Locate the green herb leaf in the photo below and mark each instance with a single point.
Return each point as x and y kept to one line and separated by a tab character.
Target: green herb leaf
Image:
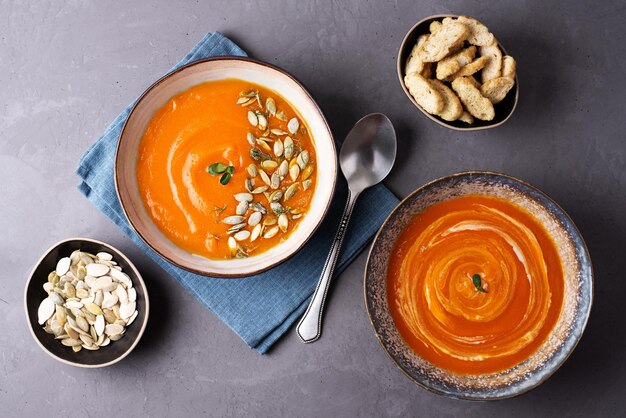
230	169
478	283
217	168
225	178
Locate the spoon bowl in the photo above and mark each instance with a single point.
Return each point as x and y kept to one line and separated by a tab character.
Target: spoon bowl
367	156
369	151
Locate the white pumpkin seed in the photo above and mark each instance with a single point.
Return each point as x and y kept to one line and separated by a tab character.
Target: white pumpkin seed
254	121
242	208
63	265
270	106
93	308
45	311
281	115
265	177
269	164
291	191
294	171
283	169
306	173
256	231
56	298
293	125
242	235
127	309
120	276
232	244
132	294
251	138
278	148
283	222
99	325
306	184
121	294
109	299
113	329
97	269
232	220
288	148
101	283
303	159
262	122
70	342
255	218
243	197
264	146
132	318
271	232
74	304
104	256
275	181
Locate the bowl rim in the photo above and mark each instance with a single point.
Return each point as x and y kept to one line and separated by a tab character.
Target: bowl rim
287	254
139	279
400	73
463	396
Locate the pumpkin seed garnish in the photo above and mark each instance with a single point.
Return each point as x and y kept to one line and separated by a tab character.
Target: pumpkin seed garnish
293	125
252	118
281	115
270	106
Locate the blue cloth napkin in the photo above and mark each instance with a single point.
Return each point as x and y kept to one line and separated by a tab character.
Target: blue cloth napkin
262	307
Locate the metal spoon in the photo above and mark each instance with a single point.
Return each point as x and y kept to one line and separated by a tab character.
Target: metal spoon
366	157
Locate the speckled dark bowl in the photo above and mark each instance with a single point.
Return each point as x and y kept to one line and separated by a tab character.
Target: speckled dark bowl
34	294
578	293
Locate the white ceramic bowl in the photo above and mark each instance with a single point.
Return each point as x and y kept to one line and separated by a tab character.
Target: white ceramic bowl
211	70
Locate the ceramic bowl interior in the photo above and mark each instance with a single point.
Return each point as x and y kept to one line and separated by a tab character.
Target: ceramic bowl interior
211	70
504	109
578	290
34	294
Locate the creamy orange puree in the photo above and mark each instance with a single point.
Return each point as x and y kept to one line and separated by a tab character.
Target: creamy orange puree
193	130
438	309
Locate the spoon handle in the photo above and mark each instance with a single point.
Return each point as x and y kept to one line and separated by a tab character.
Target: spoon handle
310	326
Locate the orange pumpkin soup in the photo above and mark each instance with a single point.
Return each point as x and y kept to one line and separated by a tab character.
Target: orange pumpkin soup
475	284
225	169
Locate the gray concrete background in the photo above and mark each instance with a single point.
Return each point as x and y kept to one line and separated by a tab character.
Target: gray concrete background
68	67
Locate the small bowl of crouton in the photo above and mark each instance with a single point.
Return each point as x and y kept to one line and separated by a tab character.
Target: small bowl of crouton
456	72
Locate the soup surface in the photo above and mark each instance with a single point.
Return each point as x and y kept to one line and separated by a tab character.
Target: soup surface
475	284
226	169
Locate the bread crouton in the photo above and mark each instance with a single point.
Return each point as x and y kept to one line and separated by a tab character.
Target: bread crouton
466	117
450	65
424	93
452	107
469	69
479	34
509	66
496	89
447	39
413	63
493	69
476	104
